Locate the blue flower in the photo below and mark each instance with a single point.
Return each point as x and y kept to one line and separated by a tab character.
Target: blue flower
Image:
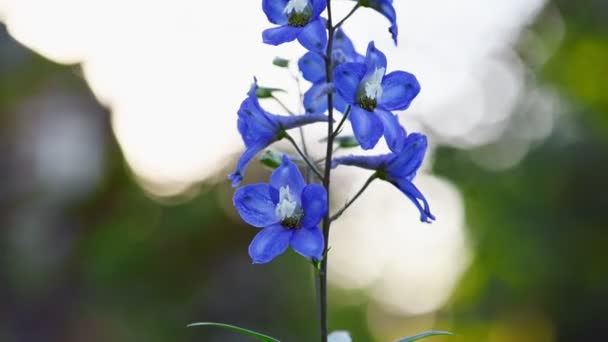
312	66
258	129
399	169
287	210
373	94
385	7
298	19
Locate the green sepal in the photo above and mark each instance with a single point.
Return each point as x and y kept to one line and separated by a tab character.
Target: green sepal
347	141
425	335
272	159
281	62
264	92
242	331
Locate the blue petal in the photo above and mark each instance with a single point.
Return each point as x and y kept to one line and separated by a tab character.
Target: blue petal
344	46
367	127
314	204
237	176
399	88
393	132
312	66
339	103
347	78
288	174
374	58
293	121
386	9
365	162
410	190
271	242
255	124
256	205
308	242
275	11
281	34
315	99
405	163
313	36
318	6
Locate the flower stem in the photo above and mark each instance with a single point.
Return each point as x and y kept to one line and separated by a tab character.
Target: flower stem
304	157
352	11
327	177
352	200
280	103
344	117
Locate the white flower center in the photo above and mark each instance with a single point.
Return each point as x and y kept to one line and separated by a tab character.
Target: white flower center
373	85
287	204
295	5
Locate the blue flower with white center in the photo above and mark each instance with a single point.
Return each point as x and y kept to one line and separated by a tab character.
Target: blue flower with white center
373	95
385	7
288	211
298	19
259	128
399	169
312	66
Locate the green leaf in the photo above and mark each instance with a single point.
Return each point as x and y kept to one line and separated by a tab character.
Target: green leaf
281	62
425	335
271	159
247	332
264	92
347	142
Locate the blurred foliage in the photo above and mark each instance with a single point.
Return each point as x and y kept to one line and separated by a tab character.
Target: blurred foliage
126	268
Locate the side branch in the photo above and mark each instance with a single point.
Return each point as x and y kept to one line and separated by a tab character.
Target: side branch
304	157
342	121
352	11
352	200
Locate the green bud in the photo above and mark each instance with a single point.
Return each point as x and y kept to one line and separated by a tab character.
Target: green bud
271	159
347	141
264	93
281	62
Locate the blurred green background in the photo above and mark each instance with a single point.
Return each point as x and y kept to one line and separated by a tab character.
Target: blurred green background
112	264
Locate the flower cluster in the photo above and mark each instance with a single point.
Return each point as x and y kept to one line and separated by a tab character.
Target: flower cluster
289	209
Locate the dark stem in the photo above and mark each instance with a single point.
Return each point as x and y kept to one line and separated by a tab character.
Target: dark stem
326	179
352	200
304	157
341	123
352	11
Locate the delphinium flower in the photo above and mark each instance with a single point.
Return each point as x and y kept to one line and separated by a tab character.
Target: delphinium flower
385	7
288	211
298	19
399	169
312	66
259	128
373	95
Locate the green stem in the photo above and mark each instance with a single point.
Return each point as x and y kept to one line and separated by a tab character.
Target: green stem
352	200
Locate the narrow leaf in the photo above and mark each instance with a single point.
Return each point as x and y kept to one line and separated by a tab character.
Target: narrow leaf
425	335
264	92
281	62
247	332
271	159
347	141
